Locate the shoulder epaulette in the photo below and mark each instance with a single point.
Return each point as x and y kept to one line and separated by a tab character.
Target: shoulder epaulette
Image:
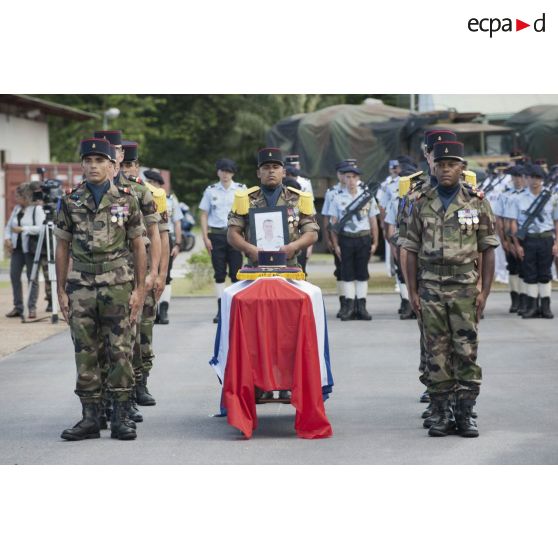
305	201
136	179
73	194
159	197
470	178
125	190
473	191
241	203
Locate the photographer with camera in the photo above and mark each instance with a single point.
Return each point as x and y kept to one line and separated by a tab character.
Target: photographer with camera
20	235
45	195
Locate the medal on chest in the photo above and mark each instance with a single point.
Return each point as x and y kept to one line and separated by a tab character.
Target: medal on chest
468	220
119	214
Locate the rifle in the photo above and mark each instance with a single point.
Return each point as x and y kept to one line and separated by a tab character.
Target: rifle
493	183
533	212
370	190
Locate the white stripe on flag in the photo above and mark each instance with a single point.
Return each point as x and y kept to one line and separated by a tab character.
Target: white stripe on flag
310	290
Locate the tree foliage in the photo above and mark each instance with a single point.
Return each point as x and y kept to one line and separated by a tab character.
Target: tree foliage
188	133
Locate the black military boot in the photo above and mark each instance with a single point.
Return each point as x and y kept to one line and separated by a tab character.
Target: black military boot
143	397
522	304
361	312
406	311
531	309
545	308
119	427
218	315
515	302
87	427
430	415
285	394
132	409
445	422
466	425
341	304
348	313
164	313
427	412
103	419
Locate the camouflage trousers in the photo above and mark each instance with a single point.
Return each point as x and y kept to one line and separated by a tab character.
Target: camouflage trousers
450	333
100	329
142	338
422	362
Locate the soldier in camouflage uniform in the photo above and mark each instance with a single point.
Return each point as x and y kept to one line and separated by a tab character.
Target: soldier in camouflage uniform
153	247
449	227
303	227
143	344
420	185
100	297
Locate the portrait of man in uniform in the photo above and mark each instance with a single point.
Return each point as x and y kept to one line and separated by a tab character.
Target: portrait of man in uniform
269	228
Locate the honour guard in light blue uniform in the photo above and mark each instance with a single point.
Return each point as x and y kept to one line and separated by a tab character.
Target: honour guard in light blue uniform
215	207
355	244
538	247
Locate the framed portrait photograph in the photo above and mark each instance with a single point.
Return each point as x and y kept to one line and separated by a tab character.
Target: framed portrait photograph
269	228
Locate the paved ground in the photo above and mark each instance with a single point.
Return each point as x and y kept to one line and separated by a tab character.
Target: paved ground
374	409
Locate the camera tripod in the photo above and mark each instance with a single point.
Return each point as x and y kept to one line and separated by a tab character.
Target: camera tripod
46	234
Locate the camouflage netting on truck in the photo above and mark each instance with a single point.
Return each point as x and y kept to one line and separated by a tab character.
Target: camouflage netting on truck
538	131
370	133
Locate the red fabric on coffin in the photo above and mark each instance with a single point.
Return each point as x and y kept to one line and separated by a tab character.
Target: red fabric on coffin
273	345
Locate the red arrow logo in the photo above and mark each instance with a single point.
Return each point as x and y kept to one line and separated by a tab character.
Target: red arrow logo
519	25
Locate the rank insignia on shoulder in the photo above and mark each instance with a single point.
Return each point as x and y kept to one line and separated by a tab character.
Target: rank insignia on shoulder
241	203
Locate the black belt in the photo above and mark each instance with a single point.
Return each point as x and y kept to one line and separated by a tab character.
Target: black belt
545	234
100	267
447	269
355	235
213	230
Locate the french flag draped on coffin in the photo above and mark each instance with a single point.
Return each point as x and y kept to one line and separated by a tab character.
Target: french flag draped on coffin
273	335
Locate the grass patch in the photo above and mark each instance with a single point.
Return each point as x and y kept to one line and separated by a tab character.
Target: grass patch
378	284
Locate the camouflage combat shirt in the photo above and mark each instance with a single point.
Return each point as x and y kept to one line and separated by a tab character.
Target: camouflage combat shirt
450	240
99	236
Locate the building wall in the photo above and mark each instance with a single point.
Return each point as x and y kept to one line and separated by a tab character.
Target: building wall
487	104
23	141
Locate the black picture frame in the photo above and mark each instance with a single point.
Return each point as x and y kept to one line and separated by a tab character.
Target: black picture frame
260	212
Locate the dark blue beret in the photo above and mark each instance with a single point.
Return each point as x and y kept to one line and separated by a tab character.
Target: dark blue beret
154	176
226	165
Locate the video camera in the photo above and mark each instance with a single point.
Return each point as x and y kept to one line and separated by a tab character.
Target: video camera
48	191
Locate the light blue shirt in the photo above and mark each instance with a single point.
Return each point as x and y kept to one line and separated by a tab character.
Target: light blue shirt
500	203
217	202
545	221
509	203
359	222
389	188
392	210
329	196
